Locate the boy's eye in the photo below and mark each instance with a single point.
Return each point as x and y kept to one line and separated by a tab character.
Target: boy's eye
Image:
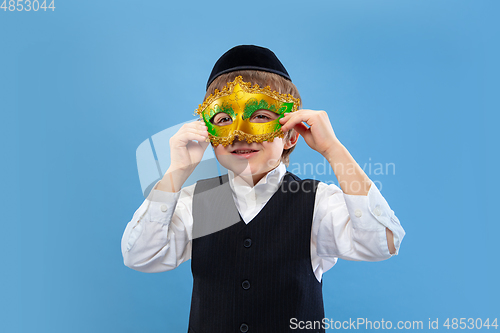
222	119
263	116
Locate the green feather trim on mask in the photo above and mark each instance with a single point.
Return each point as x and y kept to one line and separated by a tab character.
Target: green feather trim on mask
225	107
253	105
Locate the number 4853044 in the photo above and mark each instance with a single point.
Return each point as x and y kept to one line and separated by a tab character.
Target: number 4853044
469	323
26	5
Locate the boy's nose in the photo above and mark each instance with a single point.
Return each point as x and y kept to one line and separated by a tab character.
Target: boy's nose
237	138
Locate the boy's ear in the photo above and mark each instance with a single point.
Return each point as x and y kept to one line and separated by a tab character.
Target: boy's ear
292	140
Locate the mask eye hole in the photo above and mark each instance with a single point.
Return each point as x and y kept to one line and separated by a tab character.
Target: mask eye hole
221	119
263	116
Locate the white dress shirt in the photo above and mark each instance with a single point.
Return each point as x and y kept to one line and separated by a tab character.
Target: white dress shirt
352	227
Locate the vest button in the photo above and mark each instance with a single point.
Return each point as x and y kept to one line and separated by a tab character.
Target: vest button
243	328
246	285
247	242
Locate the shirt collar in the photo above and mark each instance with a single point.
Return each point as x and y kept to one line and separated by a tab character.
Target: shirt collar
269	182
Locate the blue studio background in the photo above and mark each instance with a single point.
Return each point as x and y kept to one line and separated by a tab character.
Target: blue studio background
409	84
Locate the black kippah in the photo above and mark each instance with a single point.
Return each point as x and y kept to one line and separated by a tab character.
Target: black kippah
248	57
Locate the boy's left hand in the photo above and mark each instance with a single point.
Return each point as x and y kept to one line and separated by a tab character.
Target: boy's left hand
319	136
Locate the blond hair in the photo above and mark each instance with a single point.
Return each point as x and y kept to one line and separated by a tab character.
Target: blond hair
274	81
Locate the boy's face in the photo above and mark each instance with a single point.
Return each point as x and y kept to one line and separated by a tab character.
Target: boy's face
244	128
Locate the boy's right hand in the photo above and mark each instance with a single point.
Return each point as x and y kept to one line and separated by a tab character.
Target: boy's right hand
185	153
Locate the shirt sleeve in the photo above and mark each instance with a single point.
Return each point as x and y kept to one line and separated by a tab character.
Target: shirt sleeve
158	238
351	227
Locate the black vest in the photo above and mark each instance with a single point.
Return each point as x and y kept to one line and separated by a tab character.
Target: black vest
254	278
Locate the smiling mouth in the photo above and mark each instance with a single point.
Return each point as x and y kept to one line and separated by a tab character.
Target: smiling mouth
243	151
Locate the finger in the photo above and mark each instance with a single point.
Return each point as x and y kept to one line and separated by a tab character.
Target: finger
194	125
201	124
287	116
299	112
293	120
183	140
202	128
200	131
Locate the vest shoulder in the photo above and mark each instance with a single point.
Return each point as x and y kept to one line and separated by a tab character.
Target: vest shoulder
293	176
293	184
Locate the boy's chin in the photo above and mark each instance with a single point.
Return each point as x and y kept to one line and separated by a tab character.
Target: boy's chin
238	166
241	168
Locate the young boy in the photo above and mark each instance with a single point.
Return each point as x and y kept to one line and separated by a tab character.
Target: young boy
259	238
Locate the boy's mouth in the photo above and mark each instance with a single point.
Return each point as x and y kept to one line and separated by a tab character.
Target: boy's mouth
243	151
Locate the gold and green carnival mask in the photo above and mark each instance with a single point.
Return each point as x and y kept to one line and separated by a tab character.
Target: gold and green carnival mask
239	100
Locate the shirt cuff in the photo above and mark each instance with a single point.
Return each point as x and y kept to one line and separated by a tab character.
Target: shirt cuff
371	212
162	205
